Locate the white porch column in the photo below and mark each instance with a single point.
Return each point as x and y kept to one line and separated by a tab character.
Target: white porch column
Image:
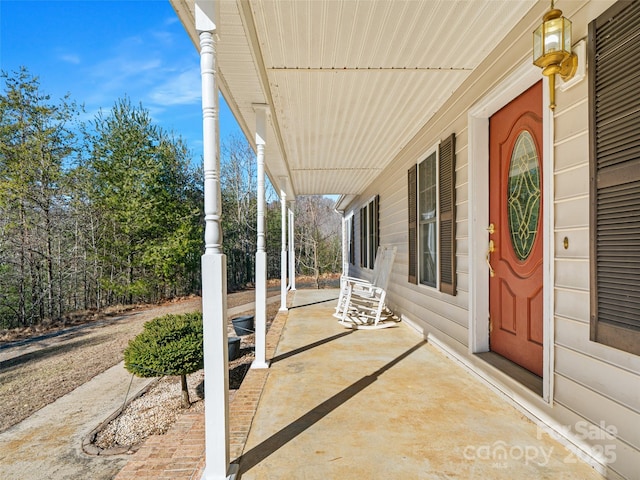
292	253
261	254
283	252
214	262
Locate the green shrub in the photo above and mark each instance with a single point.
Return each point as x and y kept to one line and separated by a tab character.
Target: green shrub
169	345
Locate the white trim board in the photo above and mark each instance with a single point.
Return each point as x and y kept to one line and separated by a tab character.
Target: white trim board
517	82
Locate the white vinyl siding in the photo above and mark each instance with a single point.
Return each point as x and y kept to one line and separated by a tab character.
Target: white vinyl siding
592	383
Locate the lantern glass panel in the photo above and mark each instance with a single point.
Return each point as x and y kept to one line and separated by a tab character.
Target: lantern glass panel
537	43
553	35
567	35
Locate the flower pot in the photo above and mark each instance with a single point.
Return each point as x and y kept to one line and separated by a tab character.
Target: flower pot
243	325
234	347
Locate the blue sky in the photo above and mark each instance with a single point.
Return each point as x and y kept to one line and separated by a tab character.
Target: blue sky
101	50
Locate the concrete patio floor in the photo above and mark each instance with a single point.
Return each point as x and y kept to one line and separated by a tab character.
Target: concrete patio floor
385	404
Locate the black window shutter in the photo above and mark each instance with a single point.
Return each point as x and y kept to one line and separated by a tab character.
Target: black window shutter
363	237
614	130
371	232
447	217
352	246
412	184
376	225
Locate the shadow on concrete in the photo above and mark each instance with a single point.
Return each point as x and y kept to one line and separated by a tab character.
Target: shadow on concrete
262	451
314	303
305	348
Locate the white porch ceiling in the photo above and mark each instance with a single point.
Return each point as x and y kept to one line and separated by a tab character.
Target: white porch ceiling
348	83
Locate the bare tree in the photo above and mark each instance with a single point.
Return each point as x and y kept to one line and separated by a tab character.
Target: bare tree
239	204
317	233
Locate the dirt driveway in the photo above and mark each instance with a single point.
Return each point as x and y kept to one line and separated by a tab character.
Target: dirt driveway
35	374
86	362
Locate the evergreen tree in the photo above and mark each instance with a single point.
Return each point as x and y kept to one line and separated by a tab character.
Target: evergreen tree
36	138
169	345
145	195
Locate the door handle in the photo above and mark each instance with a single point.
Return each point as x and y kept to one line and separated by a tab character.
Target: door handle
488	258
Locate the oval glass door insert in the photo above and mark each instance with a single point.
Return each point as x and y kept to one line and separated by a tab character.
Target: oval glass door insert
523	191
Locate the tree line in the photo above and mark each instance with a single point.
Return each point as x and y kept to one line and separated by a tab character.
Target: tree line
109	211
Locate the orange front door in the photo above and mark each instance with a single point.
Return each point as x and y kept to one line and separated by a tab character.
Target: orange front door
515	210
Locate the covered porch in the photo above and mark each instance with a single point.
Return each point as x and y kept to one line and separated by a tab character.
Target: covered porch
339	403
369	101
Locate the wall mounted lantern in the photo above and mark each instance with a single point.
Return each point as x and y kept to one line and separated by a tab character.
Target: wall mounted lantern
552	50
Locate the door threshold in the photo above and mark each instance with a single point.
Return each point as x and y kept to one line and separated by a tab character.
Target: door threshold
521	375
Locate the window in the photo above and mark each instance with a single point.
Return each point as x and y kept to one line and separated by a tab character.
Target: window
427	217
351	232
614	116
431	208
369	233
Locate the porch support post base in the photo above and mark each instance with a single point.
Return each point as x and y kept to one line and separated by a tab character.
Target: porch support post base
258	365
232	474
216	365
261	311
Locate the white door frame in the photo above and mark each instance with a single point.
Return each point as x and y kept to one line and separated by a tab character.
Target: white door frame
513	85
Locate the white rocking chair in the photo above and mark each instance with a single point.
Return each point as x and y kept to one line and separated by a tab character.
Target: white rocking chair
346	281
362	304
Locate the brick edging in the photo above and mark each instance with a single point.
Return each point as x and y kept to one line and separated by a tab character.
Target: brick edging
245	403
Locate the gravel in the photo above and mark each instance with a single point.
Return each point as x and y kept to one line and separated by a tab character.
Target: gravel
154	412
